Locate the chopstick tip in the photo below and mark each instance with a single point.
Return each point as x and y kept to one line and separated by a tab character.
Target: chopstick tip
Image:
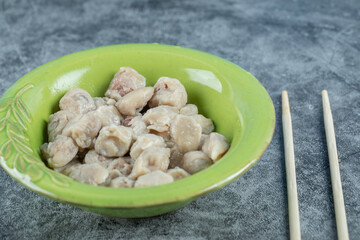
284	93
285	103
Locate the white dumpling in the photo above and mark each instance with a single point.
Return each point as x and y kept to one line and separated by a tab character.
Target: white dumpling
186	133
83	129
92	173
189	109
59	152
125	80
122	182
169	91
145	142
158	119
215	146
153	179
57	122
206	124
152	159
178	173
195	161
108	114
122	165
93	157
78	101
137	124
134	101
113	141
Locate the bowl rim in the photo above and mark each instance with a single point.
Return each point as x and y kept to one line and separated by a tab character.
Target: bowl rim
173	197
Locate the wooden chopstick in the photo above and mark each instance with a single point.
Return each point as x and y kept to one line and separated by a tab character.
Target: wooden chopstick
293	207
340	214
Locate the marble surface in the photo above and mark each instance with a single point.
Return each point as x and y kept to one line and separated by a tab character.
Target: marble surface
301	46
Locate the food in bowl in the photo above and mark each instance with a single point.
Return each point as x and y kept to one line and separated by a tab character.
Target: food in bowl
135	136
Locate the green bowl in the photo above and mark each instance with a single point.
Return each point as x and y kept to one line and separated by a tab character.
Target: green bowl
237	103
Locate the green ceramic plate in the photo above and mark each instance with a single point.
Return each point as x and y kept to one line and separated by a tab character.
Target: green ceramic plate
238	104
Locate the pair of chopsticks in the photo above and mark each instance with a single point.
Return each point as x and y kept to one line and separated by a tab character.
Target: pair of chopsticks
293	207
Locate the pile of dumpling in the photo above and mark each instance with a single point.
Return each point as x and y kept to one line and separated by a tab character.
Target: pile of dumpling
136	136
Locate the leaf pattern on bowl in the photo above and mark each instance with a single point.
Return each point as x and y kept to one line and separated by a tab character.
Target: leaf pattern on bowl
15	146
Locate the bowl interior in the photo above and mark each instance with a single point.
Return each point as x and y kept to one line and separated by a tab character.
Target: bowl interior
237	103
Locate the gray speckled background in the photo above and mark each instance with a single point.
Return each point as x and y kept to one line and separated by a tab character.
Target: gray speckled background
301	46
